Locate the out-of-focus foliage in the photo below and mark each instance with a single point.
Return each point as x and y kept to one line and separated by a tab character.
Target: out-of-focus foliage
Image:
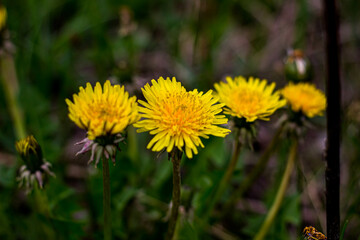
61	45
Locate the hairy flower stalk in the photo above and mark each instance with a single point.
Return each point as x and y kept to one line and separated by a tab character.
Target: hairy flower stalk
255	171
226	177
247	101
8	77
178	118
176	160
280	193
106	199
104	112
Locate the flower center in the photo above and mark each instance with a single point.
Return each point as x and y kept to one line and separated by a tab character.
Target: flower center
305	95
104	112
183	113
248	101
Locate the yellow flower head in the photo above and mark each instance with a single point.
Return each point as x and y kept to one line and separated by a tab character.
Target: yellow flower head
306	98
252	99
102	112
3	15
179	118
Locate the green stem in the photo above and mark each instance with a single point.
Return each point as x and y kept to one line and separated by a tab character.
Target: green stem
10	83
106	199
41	202
41	206
280	194
176	159
226	178
256	171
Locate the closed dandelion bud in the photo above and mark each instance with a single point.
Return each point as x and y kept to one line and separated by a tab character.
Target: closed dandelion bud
297	66
35	168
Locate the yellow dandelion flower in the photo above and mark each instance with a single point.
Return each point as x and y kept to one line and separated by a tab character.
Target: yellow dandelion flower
179	118
252	99
305	97
102	112
3	15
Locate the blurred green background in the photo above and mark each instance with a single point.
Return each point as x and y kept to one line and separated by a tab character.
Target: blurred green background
61	45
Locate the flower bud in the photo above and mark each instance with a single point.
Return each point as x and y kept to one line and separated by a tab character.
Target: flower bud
297	66
30	152
35	168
